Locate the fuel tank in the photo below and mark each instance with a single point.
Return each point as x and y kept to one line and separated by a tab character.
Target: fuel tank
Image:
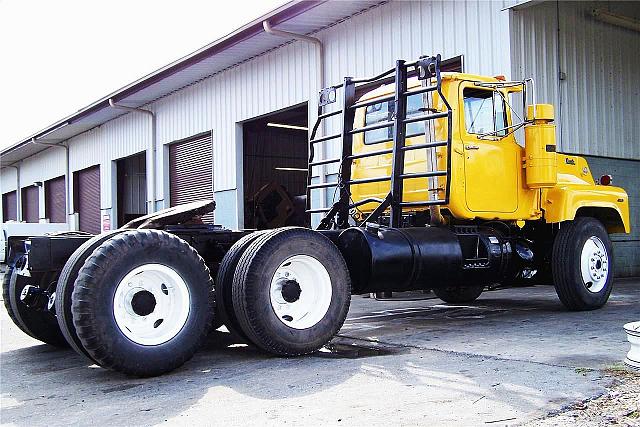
394	259
403	259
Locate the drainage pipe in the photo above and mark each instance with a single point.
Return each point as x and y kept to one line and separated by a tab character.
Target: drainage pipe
67	174
320	58
152	166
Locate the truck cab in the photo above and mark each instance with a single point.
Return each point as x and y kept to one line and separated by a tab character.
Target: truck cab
493	175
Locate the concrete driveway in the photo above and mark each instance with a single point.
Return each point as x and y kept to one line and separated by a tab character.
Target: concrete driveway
512	356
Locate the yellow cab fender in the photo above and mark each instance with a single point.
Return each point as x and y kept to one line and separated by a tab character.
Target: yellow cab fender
608	204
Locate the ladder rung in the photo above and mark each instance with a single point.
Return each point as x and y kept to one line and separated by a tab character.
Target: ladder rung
371	127
421	90
318	210
422	174
425	145
371	154
325	138
425	117
368	180
322	185
425	203
325	162
372	102
329	114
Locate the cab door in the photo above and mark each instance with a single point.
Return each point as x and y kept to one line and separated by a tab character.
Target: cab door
491	161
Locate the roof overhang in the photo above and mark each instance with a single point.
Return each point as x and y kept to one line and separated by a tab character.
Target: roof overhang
249	41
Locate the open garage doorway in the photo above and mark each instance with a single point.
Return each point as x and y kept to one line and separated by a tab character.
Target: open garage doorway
132	188
275	156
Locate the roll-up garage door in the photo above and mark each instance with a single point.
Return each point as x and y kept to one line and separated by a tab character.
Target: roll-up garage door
191	171
30	203
87	198
55	200
9	206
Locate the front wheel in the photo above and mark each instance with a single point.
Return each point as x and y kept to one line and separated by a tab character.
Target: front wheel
582	264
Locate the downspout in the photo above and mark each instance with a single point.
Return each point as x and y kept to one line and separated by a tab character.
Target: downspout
313	40
18	192
320	58
152	166
67	174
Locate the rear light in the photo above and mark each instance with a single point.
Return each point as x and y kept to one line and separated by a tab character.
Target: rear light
606	180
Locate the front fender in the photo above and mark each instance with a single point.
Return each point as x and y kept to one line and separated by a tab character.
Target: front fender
610	204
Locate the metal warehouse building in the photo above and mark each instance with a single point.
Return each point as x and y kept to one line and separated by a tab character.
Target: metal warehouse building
203	126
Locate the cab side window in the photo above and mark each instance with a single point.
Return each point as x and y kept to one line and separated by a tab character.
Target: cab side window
383	112
484	112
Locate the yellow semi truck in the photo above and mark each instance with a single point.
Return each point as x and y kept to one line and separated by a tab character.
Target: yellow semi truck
432	192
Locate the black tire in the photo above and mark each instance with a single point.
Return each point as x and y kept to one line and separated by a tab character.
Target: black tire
252	286
93	305
64	289
41	325
572	290
224	284
459	294
6	279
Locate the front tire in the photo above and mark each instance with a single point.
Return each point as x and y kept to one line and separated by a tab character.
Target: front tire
143	303
582	264
291	291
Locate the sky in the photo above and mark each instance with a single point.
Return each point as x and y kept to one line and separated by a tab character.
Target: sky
58	56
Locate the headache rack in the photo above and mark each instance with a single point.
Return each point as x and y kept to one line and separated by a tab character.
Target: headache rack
427	69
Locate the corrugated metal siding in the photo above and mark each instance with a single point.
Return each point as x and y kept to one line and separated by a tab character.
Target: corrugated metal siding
30	203
122	137
276	80
9	206
597	105
42	166
363	45
55	200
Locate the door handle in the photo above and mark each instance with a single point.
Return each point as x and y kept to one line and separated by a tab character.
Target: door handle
471	147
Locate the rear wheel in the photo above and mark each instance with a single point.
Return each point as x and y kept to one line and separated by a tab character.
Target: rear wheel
459	294
291	291
582	264
224	284
64	289
39	323
143	303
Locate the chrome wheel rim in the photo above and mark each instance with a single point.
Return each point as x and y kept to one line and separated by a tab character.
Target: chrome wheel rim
594	264
300	291
151	304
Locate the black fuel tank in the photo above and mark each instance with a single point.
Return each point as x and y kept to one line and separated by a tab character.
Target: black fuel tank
392	259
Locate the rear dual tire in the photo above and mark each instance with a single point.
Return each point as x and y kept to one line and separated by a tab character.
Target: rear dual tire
65	286
38	324
143	303
291	291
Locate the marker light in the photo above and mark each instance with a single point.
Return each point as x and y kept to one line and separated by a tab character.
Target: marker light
606	180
